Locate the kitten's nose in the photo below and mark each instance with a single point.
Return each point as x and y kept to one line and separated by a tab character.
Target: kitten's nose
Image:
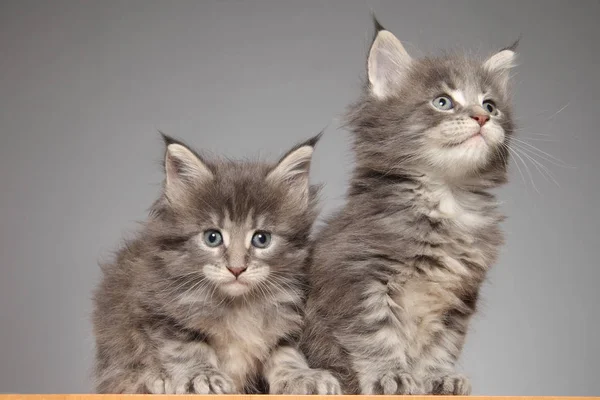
481	119
237	271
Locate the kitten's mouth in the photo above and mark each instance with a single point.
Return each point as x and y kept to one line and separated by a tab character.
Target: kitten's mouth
475	136
237	282
235	287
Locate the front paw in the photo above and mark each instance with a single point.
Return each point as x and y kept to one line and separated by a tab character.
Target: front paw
208	381
212	382
397	382
306	382
454	384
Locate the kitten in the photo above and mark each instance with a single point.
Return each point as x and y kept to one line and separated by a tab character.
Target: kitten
209	297
396	273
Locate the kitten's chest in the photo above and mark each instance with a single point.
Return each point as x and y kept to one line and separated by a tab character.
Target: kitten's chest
243	340
422	300
462	210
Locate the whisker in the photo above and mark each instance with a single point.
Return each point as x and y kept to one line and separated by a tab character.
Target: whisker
549	157
542	169
526	168
540	139
517	165
560	110
523	131
284	285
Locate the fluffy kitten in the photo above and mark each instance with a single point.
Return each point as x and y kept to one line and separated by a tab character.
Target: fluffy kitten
209	297
396	273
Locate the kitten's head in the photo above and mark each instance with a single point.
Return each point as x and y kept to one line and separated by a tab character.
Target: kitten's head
448	115
235	227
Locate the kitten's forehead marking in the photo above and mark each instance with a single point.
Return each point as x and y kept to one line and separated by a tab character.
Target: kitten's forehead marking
470	96
245	229
250	217
227	228
226	237
248	238
458	96
248	228
252	227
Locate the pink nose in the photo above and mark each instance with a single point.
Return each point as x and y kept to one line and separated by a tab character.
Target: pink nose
237	271
481	119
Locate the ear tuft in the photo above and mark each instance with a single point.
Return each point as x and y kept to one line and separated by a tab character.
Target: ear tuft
513	47
378	27
312	142
167	139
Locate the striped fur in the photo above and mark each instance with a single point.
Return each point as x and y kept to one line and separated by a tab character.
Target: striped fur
168	315
396	273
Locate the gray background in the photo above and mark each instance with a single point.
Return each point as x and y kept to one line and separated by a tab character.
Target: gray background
84	87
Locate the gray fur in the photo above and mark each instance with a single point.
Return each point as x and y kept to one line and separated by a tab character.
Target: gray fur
396	273
170	318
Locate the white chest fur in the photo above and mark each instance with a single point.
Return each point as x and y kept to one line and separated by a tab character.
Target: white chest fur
455	205
244	339
242	342
420	302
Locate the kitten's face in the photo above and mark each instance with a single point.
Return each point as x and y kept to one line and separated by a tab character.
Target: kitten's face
450	115
236	228
456	114
239	253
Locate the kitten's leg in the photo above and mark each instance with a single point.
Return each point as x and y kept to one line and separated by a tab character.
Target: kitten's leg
287	372
375	339
128	367
192	367
129	381
437	363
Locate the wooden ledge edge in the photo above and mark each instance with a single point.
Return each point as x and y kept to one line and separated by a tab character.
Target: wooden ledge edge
272	397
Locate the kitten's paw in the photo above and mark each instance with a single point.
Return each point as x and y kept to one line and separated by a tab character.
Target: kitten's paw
307	382
154	384
212	382
208	381
398	382
455	384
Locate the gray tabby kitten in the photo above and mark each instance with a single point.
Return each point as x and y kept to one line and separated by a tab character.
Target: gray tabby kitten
396	273
209	297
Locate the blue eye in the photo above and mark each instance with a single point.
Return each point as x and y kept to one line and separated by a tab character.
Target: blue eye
213	238
443	103
490	107
261	239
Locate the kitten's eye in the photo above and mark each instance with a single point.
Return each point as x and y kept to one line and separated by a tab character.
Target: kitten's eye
490	107
443	103
213	238
261	239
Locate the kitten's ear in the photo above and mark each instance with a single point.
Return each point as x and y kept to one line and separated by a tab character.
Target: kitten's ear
387	64
502	62
293	169
183	168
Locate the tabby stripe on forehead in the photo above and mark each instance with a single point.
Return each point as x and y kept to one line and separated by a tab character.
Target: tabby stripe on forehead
172	242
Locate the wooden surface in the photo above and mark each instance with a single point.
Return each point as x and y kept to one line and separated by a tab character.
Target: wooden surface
272	397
